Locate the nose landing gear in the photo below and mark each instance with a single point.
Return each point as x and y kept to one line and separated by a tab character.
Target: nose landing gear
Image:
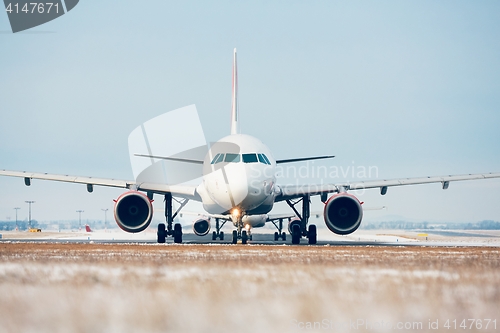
244	236
241	233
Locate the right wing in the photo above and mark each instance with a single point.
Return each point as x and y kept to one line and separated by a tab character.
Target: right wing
176	159
183	191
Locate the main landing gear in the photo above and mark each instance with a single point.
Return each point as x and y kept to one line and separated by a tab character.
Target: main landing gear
280	233
176	231
302	230
218	234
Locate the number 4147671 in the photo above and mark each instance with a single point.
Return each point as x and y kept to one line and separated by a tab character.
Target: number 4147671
471	324
33	7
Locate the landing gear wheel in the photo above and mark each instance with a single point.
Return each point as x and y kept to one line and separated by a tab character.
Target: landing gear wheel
177	233
276	236
283	236
235	236
244	237
214	235
161	234
296	234
221	235
312	234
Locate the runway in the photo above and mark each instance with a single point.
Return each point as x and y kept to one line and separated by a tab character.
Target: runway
490	238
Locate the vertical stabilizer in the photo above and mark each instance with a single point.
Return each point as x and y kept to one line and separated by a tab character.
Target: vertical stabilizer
234	101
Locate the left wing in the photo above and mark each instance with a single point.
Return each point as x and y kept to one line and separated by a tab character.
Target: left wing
296	191
274	217
183	191
290	160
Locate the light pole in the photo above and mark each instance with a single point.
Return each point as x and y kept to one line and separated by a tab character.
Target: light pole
29	221
16	208
105	210
79	219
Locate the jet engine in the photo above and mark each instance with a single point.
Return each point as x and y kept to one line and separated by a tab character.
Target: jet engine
201	227
343	213
292	222
133	211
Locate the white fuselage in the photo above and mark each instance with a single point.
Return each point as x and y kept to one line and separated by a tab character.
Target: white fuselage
239	177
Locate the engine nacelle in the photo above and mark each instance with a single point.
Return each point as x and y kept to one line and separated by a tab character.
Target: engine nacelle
133	211
292	222
343	213
201	227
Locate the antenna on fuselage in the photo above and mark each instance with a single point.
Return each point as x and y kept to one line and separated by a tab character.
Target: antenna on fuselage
234	101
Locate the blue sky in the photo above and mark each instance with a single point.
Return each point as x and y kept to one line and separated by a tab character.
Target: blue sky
410	87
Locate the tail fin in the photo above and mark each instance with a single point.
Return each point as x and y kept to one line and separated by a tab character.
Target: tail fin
234	108
87	228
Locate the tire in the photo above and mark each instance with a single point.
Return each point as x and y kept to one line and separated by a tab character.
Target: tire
177	233
161	234
283	236
235	237
296	234
244	237
214	235
312	234
221	235
276	236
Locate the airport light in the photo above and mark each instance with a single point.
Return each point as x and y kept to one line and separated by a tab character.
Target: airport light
105	210
16	208
79	219
29	220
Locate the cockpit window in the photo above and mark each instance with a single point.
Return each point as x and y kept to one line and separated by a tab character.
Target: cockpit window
220	158
215	159
250	158
261	158
234	158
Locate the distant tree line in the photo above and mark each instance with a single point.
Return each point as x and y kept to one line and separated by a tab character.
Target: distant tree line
21	225
49	225
96	225
481	225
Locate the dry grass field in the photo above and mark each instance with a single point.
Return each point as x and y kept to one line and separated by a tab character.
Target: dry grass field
254	288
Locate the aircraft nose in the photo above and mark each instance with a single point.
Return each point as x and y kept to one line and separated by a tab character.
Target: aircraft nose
257	192
232	186
247	196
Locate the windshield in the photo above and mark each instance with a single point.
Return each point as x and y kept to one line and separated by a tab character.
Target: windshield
235	158
250	158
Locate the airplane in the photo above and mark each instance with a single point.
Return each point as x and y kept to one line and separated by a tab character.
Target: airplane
239	186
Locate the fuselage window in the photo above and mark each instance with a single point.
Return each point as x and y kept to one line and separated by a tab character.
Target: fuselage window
234	158
250	158
267	160
215	159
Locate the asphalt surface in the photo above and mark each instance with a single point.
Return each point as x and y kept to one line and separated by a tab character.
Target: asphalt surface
259	239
